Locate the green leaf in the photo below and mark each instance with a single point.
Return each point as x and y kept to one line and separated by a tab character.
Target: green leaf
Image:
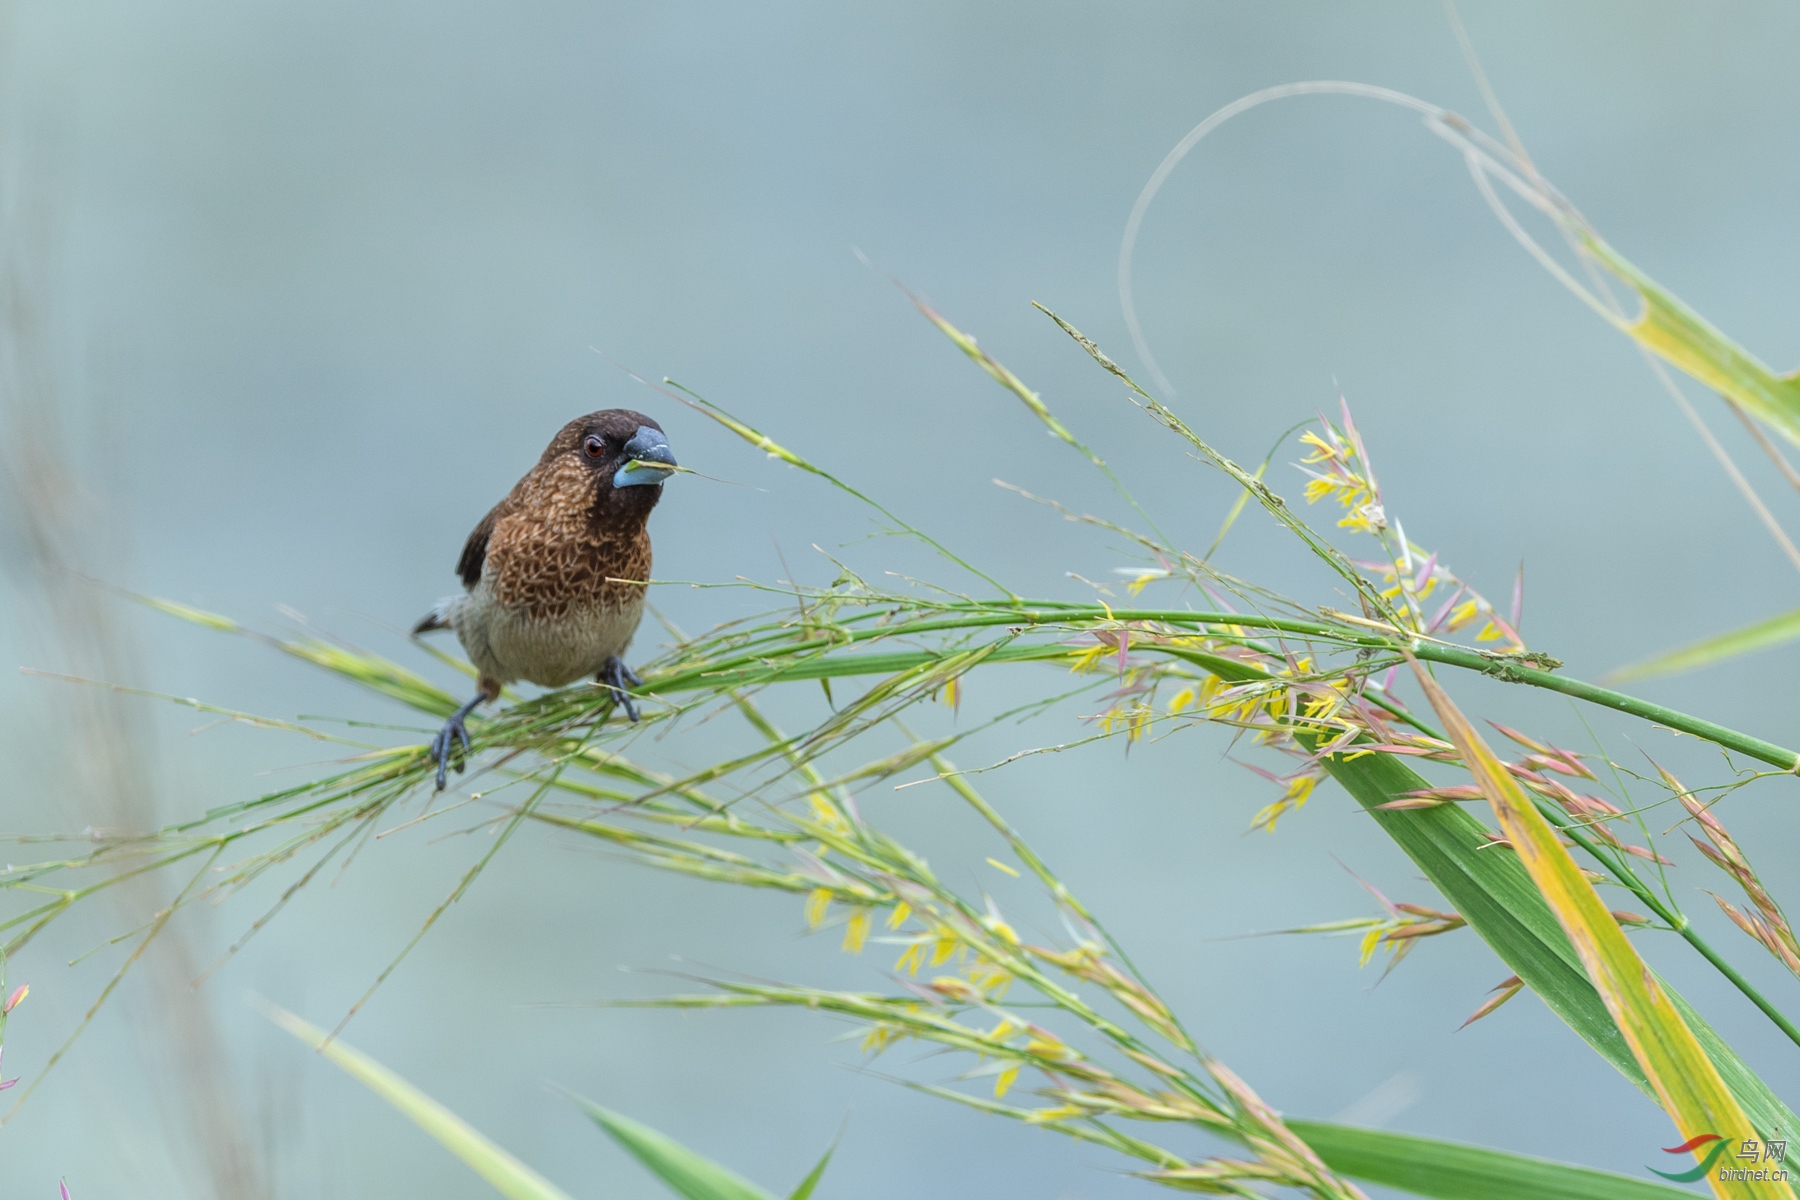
1455	1171
1763	634
805	1190
686	1173
1673	331
510	1177
1687	1084
1493	892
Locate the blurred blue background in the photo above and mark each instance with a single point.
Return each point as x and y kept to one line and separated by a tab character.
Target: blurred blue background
317	282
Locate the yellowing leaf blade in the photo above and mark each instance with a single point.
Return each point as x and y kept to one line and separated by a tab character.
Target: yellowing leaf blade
1685	1080
1495	894
1676	333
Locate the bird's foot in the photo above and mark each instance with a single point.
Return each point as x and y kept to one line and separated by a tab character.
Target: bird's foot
444	744
616	677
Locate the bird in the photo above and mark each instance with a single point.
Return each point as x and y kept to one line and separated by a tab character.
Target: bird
554	576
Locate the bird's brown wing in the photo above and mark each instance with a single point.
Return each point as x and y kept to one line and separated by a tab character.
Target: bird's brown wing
475	549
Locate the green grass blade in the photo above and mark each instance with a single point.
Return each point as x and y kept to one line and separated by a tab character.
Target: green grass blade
766	444
686	1173
1243	498
805	1190
1493	893
1455	1171
1674	332
1703	653
510	1177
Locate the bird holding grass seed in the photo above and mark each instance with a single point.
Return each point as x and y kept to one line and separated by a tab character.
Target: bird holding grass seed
554	575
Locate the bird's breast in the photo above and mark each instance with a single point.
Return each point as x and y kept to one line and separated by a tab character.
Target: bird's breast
546	572
557	597
556	651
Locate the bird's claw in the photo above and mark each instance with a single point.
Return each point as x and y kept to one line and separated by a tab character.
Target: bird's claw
616	677
455	730
444	744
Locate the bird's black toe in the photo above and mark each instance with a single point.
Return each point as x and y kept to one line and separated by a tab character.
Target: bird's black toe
618	677
454	732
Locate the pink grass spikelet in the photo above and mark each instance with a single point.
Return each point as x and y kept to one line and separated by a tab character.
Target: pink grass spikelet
1503	991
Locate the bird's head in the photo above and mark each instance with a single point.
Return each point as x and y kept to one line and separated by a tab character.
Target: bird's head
625	454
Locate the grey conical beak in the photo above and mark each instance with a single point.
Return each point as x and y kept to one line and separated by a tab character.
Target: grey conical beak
643	452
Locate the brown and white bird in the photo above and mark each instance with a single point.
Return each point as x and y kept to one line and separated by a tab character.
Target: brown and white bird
554	575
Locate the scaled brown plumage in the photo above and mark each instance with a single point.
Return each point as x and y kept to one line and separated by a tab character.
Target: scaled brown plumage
555	573
548	552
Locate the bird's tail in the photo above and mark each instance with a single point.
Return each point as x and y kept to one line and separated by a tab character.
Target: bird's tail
438	617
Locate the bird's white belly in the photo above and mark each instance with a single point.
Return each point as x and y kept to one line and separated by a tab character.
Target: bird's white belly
550	652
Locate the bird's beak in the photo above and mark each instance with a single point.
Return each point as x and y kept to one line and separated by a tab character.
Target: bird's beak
646	449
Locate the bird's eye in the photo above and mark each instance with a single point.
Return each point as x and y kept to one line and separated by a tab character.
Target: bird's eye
594	446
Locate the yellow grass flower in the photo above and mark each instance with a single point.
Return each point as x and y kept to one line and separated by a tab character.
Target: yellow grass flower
911	959
1089	659
1324	451
991	981
826	813
1000	929
880	1037
1042	1116
856	931
1370	941
1046	1045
